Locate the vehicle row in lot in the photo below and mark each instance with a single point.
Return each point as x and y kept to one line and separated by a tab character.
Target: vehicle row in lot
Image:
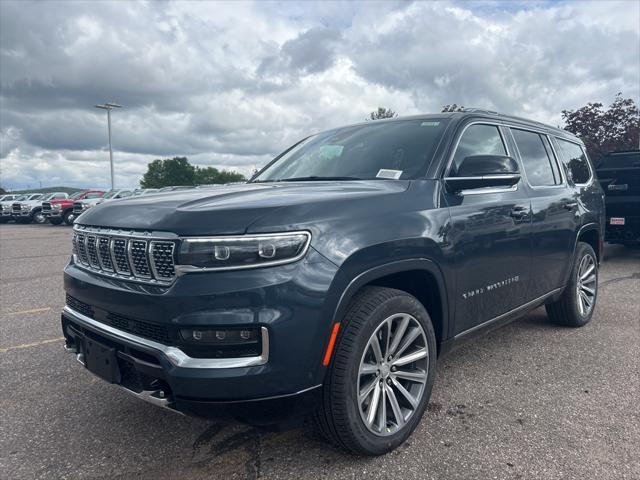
60	207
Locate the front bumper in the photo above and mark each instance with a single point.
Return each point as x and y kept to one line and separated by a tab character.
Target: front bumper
21	214
291	304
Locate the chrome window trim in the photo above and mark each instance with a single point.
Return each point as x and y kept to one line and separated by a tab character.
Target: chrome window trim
176	356
524	170
182	269
584	151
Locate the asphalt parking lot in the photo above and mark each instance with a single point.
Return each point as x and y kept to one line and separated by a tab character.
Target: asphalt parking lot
528	401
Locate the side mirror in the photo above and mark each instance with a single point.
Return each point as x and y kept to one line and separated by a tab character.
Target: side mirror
483	171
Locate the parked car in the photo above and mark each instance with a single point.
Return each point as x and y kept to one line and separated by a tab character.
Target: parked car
61	210
335	280
138	192
8	197
6	206
28	211
85	204
619	175
176	187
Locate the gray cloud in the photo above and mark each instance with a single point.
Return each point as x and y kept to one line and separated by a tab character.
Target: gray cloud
231	84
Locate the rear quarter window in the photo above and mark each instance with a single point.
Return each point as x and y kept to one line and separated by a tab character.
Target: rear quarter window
575	159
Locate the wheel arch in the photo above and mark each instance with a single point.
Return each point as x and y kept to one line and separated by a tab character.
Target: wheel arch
420	277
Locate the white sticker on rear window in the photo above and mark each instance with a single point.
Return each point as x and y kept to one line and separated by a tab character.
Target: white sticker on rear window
429	124
390	174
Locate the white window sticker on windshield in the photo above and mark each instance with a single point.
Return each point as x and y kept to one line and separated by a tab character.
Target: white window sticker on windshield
390	174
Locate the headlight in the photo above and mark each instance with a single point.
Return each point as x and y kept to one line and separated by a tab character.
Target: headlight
55	206
26	207
245	251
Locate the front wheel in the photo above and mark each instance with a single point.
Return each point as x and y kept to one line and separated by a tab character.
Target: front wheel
38	217
576	305
69	217
380	378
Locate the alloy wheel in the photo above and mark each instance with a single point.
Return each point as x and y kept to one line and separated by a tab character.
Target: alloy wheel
392	374
586	284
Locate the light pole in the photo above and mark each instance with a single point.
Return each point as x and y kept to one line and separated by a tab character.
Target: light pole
108	107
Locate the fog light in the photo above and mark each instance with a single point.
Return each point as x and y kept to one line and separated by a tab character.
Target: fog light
221	337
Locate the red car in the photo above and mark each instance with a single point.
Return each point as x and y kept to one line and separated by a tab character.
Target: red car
58	211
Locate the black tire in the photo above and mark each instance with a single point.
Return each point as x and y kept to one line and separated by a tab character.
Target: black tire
55	220
339	416
567	310
69	217
38	217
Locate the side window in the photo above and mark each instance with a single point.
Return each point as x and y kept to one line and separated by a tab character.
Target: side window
575	160
59	196
125	194
537	158
478	140
93	195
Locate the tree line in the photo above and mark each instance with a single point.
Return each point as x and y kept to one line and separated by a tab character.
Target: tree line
178	171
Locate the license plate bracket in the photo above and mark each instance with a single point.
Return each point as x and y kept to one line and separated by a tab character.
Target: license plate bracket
101	360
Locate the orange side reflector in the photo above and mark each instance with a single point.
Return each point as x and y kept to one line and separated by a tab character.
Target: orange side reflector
332	342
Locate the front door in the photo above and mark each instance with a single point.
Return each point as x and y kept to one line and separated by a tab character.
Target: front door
489	235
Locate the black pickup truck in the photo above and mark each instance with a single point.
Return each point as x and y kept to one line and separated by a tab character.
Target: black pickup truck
619	175
334	280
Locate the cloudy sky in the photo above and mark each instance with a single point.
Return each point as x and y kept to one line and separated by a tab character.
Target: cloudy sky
232	84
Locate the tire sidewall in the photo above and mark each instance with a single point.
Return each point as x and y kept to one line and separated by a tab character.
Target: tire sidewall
399	304
582	250
67	216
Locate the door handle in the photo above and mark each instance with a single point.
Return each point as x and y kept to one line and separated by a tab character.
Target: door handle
570	205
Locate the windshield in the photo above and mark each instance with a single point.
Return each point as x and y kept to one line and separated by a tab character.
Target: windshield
21	197
384	150
37	196
620	160
110	194
75	195
48	196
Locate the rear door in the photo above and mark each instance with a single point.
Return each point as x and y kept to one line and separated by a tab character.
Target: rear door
489	235
554	205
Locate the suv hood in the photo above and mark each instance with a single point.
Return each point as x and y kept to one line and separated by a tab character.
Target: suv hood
232	209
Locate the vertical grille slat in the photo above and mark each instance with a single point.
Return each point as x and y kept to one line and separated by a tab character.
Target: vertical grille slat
104	253
162	260
119	250
92	251
130	255
138	258
46	206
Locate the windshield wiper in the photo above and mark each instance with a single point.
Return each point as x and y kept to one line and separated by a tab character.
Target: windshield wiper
315	178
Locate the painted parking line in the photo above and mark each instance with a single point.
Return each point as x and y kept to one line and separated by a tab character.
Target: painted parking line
29	345
33	310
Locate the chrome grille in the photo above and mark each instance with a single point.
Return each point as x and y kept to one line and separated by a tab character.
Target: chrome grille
136	256
16	207
77	207
46	207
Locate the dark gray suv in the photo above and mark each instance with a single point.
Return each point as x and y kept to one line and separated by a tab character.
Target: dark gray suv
333	281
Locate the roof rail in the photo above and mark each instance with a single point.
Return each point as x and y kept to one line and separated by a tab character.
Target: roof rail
480	110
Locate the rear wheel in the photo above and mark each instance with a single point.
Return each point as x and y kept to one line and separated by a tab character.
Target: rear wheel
69	217
576	305
380	379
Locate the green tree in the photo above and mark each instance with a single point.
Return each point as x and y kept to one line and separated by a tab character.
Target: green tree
604	131
2	191
169	171
210	175
382	113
